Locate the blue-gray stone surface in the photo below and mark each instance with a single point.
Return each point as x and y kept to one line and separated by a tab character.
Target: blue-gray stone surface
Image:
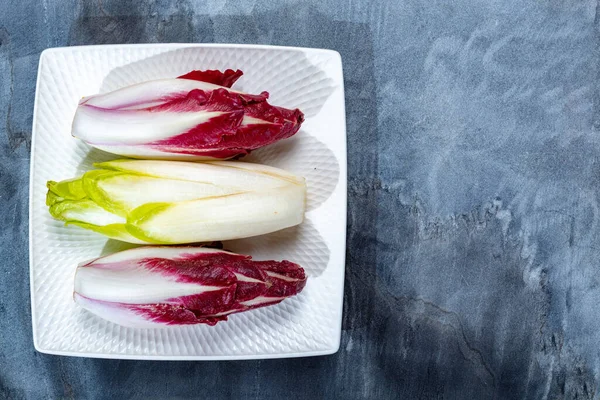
473	261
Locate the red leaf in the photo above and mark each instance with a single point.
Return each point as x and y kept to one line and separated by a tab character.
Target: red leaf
226	78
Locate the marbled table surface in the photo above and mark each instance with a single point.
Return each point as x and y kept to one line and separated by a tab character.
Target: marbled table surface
473	250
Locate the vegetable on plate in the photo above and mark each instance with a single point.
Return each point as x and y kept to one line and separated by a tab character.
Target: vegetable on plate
175	202
196	116
157	286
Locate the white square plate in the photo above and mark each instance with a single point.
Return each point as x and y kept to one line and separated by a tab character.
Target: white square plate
305	325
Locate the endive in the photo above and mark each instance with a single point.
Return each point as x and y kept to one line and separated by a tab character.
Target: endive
196	116
171	202
153	286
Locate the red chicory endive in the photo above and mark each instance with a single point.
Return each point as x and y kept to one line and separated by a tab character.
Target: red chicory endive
158	286
195	116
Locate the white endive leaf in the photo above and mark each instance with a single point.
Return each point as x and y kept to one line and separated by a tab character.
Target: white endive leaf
230	217
237	175
131	191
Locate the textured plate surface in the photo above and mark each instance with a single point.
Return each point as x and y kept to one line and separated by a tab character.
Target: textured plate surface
308	324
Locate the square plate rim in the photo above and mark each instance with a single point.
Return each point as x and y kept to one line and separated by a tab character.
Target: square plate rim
343	183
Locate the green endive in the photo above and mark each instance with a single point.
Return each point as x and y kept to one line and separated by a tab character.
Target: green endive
171	202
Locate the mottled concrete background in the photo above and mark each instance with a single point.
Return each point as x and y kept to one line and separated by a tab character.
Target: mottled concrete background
473	265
